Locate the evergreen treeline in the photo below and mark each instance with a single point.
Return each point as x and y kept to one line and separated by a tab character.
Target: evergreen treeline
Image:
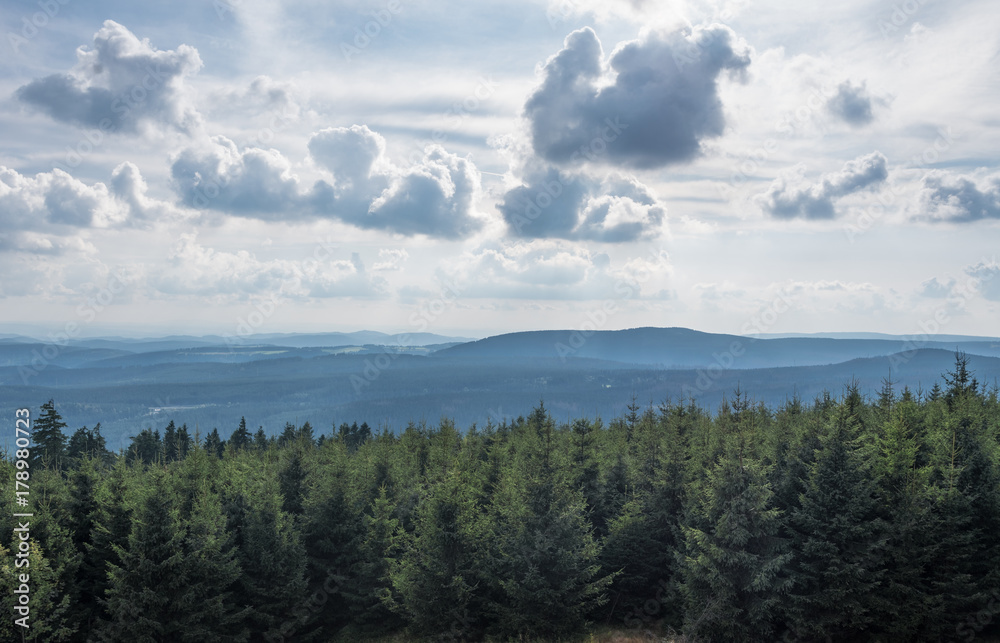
844	519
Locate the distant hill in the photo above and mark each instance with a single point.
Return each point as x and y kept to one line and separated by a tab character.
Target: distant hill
934	338
684	348
392	389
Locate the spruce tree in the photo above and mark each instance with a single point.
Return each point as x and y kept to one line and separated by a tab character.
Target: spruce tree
241	438
733	569
171	448
438	578
546	569
268	546
837	542
215	445
48	437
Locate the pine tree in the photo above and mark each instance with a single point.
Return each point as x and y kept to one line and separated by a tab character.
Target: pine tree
215	445
287	435
173	579
147	447
150	572
48	437
87	443
260	441
241	438
546	558
184	442
438	578
333	531
171	448
292	477
367	589
837	541
734	566
305	434
269	549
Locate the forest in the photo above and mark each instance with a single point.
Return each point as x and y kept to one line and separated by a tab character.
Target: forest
841	518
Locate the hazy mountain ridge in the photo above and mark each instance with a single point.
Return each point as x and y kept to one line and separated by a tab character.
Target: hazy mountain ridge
686	348
392	389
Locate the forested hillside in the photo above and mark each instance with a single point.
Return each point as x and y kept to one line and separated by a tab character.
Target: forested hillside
839	518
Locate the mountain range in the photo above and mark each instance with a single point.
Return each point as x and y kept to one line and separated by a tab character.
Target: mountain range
389	380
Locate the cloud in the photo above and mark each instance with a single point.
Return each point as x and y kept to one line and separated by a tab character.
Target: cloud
262	95
546	269
959	199
852	104
193	269
349	153
120	84
785	200
391	259
435	197
937	289
254	182
39	213
987	278
556	204
651	106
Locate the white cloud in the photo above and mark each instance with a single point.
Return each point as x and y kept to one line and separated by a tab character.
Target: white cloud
947	196
391	259
120	84
788	198
545	269
193	269
38	213
435	197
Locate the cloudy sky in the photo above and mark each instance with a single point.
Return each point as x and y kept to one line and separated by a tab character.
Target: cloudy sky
214	166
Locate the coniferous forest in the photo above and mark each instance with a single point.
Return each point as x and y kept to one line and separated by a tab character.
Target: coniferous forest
844	518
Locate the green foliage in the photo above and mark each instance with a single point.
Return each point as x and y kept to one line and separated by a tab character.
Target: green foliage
49	440
844	519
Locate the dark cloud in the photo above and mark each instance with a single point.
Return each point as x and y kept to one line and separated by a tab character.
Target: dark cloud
556	204
119	84
436	196
662	103
959	199
817	201
852	104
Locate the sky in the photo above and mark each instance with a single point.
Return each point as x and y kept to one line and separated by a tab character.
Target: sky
242	166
